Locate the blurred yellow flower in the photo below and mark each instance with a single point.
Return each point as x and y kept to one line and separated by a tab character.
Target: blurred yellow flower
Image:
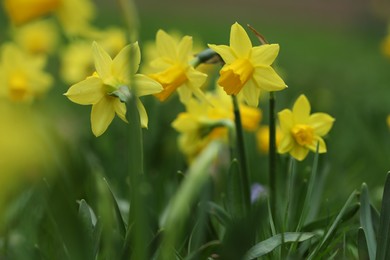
175	72
22	75
385	46
21	11
112	74
75	16
202	123
262	138
302	131
28	149
37	37
388	121
77	58
247	69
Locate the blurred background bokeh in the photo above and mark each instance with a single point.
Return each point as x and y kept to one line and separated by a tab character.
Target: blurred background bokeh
332	51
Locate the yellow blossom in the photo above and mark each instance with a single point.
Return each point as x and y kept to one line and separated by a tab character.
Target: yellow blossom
385	46
77	58
201	123
112	74
22	75
37	37
262	137
175	72
388	121
21	11
247	69
302	131
75	16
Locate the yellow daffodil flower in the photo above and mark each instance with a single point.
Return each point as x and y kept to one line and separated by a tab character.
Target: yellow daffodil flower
21	11
302	131
200	124
262	138
247	69
37	37
388	121
77	58
112	74
75	16
385	46
174	70
22	76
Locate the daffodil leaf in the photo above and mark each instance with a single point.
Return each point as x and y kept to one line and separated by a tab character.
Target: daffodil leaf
121	223
234	191
383	245
366	222
215	210
205	250
362	245
268	245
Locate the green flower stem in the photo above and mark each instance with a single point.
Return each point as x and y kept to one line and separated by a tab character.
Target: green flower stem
241	154
137	225
272	153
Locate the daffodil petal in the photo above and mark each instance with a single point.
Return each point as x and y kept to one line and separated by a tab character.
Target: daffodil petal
321	123
226	53
239	41
126	63
184	49
185	93
86	92
267	79
299	152
196	78
286	120
143	116
120	109
102	60
251	93
185	123
321	145
301	110
286	144
264	54
166	46
102	115
146	86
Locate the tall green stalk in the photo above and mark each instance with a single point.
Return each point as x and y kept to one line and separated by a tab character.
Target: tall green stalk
272	153
241	153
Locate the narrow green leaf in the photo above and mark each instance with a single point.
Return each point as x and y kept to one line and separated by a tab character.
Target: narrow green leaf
366	222
178	210
266	246
221	215
383	246
204	251
85	215
118	214
329	234
362	245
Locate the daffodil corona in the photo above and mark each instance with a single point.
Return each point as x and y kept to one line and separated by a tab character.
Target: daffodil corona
112	74
247	69
173	69
302	131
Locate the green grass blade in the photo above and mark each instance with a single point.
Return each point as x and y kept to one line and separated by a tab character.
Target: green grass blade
205	250
329	234
268	245
366	222
383	246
